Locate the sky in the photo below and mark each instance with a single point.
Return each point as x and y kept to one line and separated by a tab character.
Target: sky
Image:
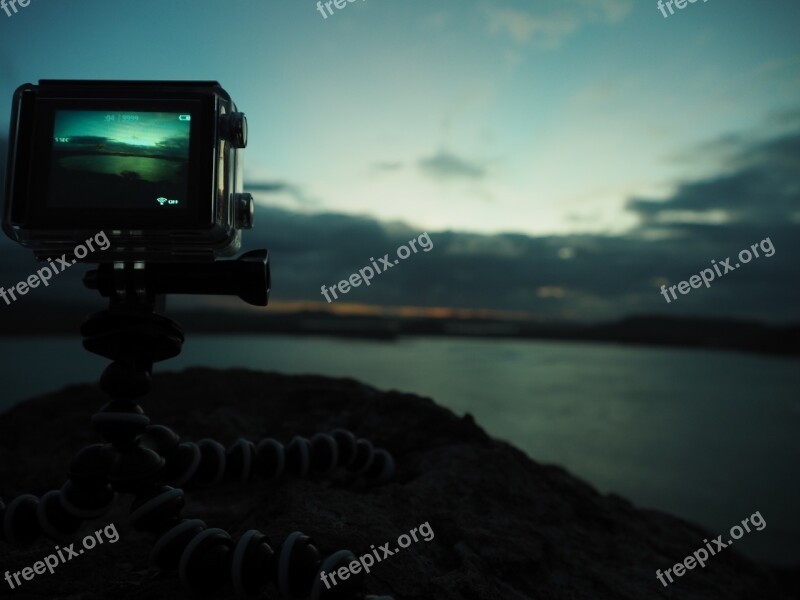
567	157
149	130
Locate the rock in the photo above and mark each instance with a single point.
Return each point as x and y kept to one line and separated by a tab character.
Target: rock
505	527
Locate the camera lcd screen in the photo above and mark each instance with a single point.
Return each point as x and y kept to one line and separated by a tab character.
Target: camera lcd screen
108	159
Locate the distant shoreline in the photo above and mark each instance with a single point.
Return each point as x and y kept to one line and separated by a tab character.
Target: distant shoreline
723	334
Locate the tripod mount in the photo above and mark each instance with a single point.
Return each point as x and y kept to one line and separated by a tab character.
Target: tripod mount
151	462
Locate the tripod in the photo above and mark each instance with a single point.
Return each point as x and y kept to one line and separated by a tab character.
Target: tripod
151	463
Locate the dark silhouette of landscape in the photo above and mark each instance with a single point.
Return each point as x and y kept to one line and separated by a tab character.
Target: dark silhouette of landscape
652	330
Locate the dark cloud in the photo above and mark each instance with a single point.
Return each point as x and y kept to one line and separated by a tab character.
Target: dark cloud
583	277
790	117
448	166
279	187
267	186
178	145
578	276
763	189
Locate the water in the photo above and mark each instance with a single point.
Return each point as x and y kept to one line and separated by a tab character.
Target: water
710	436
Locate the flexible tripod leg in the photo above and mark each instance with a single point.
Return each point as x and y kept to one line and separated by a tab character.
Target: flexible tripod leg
144	459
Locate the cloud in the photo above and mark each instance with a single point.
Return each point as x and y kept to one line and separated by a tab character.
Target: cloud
444	165
387	166
267	186
612	11
790	117
763	189
522	26
298	196
551	22
584	277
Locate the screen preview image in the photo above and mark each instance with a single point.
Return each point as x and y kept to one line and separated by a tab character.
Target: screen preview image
108	160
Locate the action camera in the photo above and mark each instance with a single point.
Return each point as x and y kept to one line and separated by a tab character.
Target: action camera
157	166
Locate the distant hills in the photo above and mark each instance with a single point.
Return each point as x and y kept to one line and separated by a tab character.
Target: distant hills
749	336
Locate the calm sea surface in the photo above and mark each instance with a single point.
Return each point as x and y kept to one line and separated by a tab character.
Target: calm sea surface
710	436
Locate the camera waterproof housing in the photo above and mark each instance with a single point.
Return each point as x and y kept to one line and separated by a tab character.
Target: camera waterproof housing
155	165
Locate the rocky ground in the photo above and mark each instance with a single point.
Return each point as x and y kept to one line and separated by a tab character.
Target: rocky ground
506	527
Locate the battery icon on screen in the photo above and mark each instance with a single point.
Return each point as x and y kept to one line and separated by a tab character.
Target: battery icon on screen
184	117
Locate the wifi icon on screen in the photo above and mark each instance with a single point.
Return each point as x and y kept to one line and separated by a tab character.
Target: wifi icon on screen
161	200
